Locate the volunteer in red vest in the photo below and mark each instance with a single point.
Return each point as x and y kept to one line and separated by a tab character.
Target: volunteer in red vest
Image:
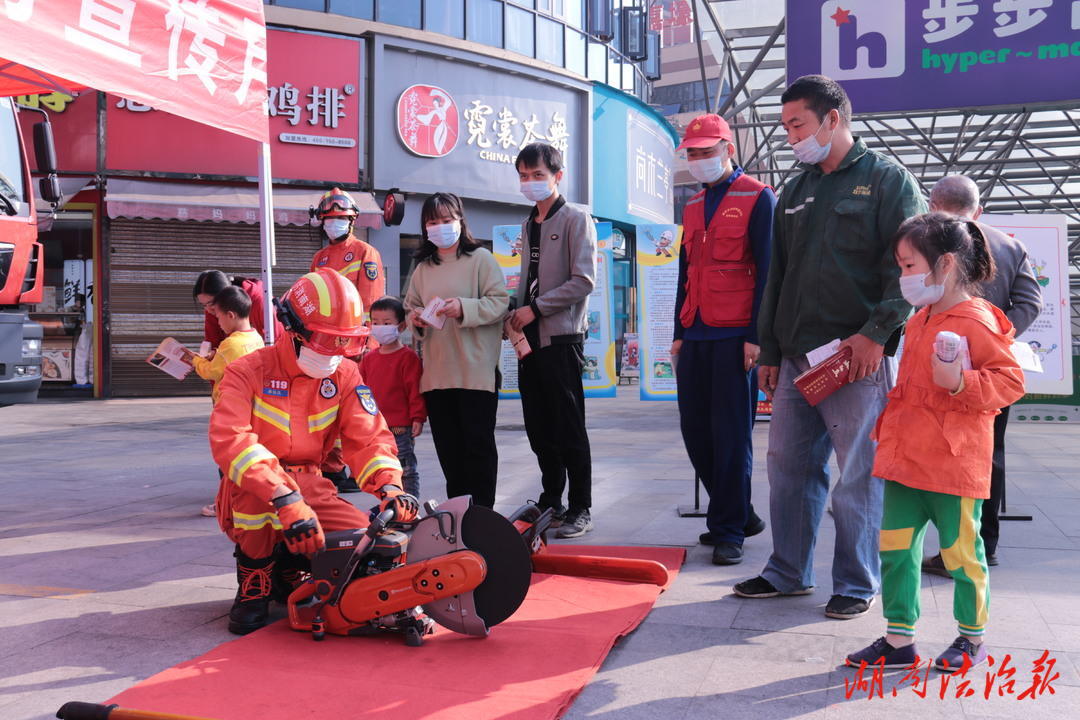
280	412
361	264
723	263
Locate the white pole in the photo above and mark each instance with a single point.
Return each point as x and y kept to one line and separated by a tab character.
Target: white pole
266	237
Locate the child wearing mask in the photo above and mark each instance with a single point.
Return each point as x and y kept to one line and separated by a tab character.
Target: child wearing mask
232	308
393	374
936	434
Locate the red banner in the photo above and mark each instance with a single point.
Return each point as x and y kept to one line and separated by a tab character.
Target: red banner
200	59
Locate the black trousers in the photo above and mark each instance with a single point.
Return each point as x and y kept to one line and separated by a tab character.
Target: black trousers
463	430
990	524
717	402
553	403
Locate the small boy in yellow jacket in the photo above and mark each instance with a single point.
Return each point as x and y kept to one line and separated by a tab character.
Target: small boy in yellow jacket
231	306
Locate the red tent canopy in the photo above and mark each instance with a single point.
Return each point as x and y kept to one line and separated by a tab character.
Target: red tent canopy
201	59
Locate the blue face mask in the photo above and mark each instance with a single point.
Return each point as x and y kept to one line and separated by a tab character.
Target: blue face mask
444	235
536	190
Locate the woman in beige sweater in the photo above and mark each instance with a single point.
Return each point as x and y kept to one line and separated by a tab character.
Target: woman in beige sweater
460	358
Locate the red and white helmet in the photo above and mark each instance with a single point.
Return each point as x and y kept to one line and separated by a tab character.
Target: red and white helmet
336	203
325	311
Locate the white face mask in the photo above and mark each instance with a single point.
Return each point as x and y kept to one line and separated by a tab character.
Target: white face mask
315	364
444	235
708	170
336	227
536	190
385	334
810	151
917	292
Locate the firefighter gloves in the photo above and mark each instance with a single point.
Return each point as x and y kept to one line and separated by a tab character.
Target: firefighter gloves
303	534
405	506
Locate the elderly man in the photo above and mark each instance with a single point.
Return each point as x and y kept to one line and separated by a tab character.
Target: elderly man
832	277
1014	290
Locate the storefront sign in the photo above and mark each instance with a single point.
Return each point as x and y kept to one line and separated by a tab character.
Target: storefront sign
315	109
1050	335
650	161
657	282
74	123
461	128
931	54
630	138
598	375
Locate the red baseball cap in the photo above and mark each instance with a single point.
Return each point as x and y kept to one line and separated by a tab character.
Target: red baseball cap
705	131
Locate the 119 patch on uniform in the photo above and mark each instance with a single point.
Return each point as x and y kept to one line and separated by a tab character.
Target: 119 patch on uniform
367	400
276	388
371	269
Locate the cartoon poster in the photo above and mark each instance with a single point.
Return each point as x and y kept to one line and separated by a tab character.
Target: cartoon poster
598	375
1045	237
657	282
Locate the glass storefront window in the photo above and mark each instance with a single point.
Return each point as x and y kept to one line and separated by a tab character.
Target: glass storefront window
445	16
575	51
597	61
400	12
549	41
519	31
485	22
574	13
363	9
319	5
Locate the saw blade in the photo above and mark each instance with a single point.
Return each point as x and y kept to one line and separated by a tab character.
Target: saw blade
509	563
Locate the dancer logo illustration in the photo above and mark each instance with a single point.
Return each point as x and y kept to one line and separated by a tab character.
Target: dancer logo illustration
862	39
427	120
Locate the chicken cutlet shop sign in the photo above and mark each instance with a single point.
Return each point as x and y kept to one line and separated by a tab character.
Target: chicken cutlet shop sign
464	126
931	54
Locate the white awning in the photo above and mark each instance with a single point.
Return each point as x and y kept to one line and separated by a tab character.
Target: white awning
156	199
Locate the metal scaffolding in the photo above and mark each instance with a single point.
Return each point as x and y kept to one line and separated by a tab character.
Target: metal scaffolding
1024	159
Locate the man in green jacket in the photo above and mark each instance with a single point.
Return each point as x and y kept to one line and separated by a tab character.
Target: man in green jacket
833	277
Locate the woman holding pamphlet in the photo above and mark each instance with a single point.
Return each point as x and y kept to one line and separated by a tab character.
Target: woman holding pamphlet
210	283
456	302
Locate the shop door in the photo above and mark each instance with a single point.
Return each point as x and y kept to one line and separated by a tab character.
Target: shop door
152	266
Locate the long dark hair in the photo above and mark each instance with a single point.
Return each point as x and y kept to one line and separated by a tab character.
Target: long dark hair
210	282
437	205
935	234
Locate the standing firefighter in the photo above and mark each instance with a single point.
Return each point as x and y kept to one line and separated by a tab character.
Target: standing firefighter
361	264
280	412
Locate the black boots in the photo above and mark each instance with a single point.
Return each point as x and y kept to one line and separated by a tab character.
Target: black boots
251	609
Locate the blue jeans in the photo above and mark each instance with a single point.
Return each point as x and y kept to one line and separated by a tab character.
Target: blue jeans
409	476
801	439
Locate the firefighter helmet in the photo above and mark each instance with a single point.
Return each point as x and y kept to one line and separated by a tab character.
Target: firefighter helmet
325	311
336	203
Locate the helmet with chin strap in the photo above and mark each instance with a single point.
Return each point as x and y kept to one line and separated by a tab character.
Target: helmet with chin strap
324	310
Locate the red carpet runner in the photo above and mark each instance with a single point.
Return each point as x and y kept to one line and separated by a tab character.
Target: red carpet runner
531	667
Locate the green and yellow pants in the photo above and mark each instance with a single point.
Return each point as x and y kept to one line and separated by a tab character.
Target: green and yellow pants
903	527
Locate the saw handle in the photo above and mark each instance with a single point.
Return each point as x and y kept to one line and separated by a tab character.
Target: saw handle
379	522
93	711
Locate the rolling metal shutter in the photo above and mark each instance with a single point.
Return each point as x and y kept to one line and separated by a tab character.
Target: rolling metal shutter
153	265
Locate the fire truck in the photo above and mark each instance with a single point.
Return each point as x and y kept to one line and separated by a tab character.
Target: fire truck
22	258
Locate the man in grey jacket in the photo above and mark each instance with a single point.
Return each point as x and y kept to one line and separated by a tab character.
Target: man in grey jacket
1014	290
558	272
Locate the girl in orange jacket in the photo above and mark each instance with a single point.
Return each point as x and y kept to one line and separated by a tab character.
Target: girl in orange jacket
935	436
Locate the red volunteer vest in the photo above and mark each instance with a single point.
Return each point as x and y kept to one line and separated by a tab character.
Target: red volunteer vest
720	272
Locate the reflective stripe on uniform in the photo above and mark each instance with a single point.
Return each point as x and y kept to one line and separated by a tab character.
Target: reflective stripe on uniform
377	463
255	521
337	443
741	193
323	291
322	420
265	411
246	458
352	267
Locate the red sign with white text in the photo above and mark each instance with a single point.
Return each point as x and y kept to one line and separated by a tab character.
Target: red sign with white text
315	118
427	120
203	59
74	124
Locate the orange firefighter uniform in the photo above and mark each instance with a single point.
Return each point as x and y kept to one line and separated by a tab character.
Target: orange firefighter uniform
360	263
274	425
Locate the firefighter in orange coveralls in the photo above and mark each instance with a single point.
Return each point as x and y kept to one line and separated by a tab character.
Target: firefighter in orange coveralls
361	264
280	412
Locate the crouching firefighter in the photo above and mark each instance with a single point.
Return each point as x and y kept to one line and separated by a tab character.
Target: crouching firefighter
280	411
